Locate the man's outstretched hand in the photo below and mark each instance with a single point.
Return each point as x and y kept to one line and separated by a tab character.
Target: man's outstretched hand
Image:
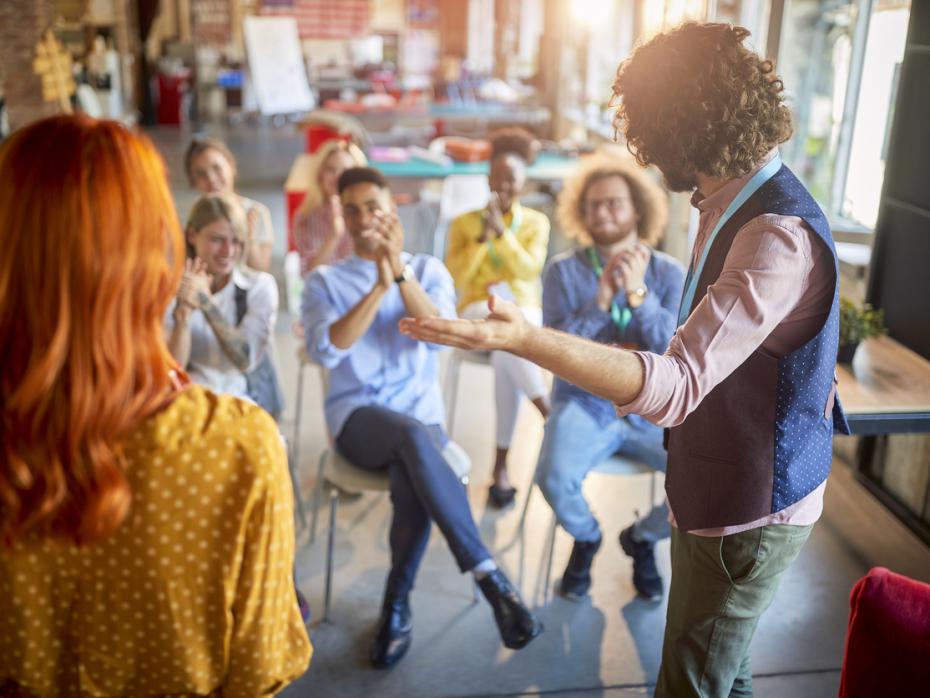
505	328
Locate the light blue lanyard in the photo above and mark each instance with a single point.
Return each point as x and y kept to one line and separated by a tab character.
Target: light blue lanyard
694	273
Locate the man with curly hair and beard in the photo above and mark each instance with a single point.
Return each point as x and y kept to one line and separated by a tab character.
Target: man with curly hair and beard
615	288
746	388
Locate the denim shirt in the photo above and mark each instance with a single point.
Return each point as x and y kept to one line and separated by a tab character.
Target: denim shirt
383	367
570	305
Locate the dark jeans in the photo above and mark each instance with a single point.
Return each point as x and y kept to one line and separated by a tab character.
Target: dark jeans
423	489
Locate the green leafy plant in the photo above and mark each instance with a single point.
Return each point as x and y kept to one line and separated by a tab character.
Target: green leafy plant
858	322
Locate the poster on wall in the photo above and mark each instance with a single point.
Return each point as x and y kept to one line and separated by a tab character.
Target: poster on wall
423	14
212	24
323	19
276	65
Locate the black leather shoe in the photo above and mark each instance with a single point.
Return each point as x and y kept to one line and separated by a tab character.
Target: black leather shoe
646	578
392	636
516	623
577	577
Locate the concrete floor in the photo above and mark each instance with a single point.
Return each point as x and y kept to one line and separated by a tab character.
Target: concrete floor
607	645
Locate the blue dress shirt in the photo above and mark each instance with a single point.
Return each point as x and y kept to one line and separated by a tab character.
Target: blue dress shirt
383	367
570	305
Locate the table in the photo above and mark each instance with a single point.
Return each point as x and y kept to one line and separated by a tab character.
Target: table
489	114
479	114
886	390
549	167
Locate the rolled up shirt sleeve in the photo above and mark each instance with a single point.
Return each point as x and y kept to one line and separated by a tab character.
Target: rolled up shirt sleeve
764	276
318	314
438	285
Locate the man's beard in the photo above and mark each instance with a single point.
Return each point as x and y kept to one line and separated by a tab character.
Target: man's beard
676	180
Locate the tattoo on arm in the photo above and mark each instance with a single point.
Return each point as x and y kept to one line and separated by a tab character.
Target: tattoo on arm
230	338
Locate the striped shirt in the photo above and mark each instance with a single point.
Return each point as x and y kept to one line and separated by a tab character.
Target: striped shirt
312	229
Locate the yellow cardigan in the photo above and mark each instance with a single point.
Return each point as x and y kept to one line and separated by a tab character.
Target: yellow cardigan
517	257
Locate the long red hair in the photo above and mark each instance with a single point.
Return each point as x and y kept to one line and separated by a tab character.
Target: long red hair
91	256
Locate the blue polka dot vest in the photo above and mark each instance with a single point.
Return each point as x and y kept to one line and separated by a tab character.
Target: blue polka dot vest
760	440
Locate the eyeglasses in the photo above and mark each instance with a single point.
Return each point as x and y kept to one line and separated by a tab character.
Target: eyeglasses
612	204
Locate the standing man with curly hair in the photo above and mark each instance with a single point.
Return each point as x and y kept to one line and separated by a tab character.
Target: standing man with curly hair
746	387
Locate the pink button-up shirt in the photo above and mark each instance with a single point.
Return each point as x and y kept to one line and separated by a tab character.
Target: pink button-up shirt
774	292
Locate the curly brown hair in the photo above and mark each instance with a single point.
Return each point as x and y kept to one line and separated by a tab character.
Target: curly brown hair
649	200
695	100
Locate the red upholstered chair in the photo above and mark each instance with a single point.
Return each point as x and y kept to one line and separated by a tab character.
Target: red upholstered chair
888	640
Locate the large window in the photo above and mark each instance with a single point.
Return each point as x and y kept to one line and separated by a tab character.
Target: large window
840	60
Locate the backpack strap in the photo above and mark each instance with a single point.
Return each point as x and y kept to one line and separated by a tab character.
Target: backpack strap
241	304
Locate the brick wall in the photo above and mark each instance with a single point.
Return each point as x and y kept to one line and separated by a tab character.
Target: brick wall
22	23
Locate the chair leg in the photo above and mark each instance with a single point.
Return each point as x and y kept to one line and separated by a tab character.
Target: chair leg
298	496
652	490
473	582
526	502
298	414
317	491
452	390
333	505
549	561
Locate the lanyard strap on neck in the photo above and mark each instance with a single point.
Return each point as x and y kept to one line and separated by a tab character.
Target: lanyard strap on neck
694	273
620	318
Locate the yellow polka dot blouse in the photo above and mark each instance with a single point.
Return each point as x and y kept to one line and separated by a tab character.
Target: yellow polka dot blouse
193	595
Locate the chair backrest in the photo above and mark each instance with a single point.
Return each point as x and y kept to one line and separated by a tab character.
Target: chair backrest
293	282
888	640
462	193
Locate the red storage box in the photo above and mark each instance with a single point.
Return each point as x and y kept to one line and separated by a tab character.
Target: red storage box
318	134
467	149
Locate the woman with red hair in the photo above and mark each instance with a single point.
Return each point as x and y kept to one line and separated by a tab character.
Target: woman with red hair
146	527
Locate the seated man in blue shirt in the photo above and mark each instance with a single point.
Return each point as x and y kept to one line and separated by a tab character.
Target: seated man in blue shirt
614	289
384	404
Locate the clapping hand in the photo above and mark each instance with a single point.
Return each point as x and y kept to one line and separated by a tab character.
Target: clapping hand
195	283
337	219
390	236
493	219
629	267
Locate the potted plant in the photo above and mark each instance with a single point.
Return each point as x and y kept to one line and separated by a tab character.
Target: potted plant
857	322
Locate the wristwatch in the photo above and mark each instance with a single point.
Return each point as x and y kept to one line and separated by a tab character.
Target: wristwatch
636	296
405	275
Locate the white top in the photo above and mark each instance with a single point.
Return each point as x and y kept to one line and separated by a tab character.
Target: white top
208	363
259	218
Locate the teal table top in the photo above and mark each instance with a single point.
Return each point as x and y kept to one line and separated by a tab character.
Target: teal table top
547	168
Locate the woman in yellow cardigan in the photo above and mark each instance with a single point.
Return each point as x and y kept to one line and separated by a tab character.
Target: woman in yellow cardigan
501	250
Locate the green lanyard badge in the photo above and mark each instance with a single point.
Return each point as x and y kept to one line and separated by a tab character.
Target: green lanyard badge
621	318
